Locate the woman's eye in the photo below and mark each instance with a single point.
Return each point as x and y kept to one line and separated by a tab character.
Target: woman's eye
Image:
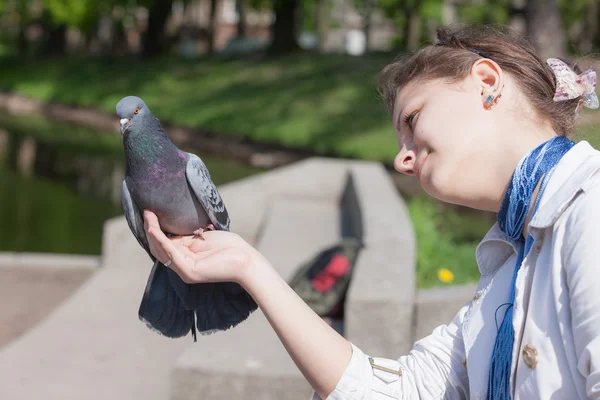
409	119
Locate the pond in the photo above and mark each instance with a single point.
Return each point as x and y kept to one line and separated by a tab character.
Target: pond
60	182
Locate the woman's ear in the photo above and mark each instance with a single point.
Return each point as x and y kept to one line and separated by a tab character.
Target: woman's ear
487	74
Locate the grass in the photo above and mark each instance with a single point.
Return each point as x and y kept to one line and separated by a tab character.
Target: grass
445	239
328	104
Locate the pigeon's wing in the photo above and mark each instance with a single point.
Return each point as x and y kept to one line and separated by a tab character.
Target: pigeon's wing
134	218
161	308
199	180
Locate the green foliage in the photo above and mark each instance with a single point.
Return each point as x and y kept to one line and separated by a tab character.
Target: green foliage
431	9
81	14
328	104
573	11
495	12
438	246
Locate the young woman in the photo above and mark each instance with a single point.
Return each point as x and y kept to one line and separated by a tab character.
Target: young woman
481	121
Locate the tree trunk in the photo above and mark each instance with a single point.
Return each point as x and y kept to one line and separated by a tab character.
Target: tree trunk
597	36
211	26
119	43
544	25
517	16
322	20
56	41
22	44
154	41
283	30
448	12
241	25
22	41
590	31
367	18
413	37
55	37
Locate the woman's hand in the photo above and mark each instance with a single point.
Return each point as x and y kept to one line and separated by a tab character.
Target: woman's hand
218	257
316	348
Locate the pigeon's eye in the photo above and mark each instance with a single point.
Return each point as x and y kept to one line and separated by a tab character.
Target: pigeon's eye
137	110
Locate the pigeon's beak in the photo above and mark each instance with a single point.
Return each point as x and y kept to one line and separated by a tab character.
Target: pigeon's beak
124	123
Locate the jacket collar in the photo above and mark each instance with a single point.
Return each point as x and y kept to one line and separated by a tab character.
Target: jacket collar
572	171
570	174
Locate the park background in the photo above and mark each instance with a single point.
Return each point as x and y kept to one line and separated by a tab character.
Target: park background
249	85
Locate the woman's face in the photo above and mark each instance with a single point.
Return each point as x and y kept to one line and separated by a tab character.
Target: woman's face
447	139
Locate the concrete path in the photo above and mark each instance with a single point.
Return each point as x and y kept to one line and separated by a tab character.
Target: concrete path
30	294
94	347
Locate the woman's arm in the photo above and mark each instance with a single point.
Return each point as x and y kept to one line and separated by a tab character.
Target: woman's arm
331	364
318	350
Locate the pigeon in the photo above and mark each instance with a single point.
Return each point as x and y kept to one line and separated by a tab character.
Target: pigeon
177	187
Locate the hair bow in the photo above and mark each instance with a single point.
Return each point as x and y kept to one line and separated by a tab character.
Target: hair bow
569	85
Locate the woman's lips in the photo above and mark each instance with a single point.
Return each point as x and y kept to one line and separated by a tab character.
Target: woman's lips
419	166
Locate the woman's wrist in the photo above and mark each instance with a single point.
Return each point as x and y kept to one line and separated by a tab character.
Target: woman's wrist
252	269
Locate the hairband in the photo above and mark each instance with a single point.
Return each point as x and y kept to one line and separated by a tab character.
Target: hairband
479	53
569	85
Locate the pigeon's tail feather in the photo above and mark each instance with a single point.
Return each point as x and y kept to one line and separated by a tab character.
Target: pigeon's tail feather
161	308
218	306
227	305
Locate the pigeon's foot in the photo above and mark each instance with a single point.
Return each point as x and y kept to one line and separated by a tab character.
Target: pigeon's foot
199	231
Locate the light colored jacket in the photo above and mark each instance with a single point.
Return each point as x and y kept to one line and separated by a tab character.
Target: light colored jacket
556	352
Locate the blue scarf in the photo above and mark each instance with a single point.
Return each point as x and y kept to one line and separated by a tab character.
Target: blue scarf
511	220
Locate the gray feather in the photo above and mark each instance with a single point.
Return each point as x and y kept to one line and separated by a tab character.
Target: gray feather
205	190
134	218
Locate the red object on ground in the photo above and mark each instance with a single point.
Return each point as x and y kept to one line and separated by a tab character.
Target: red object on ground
337	268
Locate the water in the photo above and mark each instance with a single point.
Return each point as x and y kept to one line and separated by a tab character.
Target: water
59	182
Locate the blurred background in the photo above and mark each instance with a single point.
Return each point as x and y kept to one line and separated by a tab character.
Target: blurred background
248	85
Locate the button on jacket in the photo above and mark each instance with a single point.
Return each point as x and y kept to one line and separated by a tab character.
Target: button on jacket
556	318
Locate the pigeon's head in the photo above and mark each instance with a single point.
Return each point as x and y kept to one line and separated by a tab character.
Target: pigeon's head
131	110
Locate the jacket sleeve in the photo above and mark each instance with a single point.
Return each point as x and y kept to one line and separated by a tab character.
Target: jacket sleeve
581	261
433	369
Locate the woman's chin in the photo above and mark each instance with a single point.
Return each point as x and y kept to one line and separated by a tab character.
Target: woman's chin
441	192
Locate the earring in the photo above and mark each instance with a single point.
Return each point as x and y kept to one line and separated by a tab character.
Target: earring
491	100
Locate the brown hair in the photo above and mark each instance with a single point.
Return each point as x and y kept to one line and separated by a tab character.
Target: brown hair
453	55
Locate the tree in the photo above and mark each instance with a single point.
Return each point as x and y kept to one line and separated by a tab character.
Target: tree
241	6
283	29
83	15
322	20
580	19
365	9
408	16
544	25
212	23
154	41
55	36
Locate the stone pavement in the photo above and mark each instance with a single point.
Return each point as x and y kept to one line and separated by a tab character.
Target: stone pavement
31	294
94	347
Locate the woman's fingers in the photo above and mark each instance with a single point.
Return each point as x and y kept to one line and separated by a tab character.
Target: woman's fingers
215	257
161	246
151	222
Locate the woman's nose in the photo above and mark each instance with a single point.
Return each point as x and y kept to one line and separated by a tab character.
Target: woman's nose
405	162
